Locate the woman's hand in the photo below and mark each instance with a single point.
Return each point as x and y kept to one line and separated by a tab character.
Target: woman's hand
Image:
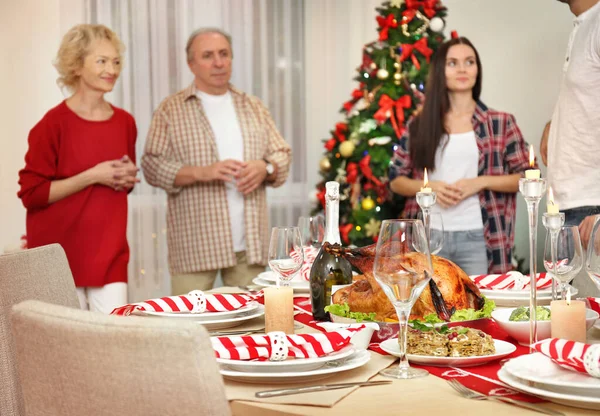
447	195
470	186
116	174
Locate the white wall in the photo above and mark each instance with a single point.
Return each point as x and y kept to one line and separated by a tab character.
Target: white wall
521	54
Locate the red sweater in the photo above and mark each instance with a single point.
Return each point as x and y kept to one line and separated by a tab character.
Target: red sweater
90	225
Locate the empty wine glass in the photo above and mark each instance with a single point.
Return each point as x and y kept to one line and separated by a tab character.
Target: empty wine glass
312	231
403	269
285	253
592	262
436	231
569	257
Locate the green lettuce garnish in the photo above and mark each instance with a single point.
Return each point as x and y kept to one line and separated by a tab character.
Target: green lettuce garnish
343	310
465	314
522	314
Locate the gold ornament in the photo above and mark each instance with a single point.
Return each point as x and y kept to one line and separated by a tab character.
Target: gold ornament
398	76
372	227
325	164
382	74
396	3
367	204
347	148
420	30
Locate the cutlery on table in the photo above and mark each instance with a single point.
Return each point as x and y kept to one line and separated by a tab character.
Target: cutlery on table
321	387
471	394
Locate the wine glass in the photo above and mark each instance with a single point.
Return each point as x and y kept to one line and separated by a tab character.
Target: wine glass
569	257
285	253
312	231
403	269
592	262
436	231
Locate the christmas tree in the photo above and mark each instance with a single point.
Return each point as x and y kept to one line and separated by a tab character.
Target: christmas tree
391	80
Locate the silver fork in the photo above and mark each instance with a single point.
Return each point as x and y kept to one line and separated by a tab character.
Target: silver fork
470	394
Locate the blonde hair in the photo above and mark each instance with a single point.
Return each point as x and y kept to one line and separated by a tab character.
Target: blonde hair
75	46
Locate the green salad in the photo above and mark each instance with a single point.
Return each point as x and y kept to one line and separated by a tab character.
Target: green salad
344	311
522	314
464	314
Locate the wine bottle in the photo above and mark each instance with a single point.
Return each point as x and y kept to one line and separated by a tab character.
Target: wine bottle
328	269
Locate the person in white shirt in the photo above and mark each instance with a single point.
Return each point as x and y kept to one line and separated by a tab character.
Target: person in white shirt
573	142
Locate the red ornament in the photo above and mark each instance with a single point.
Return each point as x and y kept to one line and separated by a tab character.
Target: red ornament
330	144
351	172
429	7
385	23
340	130
321	197
454	34
344	231
375	238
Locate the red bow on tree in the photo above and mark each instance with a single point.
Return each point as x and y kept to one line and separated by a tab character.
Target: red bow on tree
385	23
409	49
386	110
356	95
344	231
340	130
321	197
366	170
351	172
330	144
429	8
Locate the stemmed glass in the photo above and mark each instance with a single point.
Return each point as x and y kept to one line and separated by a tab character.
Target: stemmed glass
312	231
285	253
403	269
592	262
436	231
569	257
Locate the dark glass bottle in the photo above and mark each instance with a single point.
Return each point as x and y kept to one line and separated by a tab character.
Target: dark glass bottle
328	269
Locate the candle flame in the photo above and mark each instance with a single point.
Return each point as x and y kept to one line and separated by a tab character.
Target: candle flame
568	296
531	156
425	179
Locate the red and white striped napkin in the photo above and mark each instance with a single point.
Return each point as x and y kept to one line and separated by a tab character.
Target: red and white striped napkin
278	346
194	302
576	356
510	281
310	254
593	304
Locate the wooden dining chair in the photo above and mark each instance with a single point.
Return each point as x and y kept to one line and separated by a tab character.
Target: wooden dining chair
74	362
41	273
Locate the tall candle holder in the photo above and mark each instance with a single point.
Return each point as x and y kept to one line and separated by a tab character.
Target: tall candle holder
532	189
426	200
553	223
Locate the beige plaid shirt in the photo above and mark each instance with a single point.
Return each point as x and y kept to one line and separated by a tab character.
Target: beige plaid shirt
198	227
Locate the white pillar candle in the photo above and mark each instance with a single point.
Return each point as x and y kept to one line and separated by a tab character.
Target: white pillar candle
532	173
279	309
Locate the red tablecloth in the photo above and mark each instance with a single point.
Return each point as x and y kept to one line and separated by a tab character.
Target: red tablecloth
481	378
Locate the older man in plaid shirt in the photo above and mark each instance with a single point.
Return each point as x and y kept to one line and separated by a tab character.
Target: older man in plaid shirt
214	149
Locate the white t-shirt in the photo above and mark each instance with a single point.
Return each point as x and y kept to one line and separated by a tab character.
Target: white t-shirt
574	139
459	159
223	120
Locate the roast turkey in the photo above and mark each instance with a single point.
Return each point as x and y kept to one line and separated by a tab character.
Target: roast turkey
449	289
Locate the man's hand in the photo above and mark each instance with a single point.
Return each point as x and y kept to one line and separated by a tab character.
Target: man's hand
468	187
585	229
251	176
224	170
447	195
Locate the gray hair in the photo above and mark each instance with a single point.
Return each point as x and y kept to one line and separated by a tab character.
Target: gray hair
188	47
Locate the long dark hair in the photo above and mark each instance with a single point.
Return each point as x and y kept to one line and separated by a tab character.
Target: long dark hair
427	128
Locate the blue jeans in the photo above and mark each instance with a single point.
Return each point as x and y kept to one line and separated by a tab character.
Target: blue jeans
574	216
467	250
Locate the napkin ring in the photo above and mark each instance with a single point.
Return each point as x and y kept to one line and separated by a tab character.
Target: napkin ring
279	346
198	299
591	361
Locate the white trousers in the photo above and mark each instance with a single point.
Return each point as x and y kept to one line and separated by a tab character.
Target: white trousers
103	299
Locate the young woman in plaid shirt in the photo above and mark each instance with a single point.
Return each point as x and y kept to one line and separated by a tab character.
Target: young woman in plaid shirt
474	156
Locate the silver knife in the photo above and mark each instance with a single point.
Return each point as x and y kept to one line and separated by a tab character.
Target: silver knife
321	387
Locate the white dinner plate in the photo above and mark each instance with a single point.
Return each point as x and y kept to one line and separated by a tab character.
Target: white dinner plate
503	349
597	325
505	299
540	371
355	360
271	277
205	316
291	365
560	398
298	287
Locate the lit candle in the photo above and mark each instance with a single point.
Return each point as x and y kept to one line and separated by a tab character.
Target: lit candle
551	206
532	173
567	319
426	189
279	309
